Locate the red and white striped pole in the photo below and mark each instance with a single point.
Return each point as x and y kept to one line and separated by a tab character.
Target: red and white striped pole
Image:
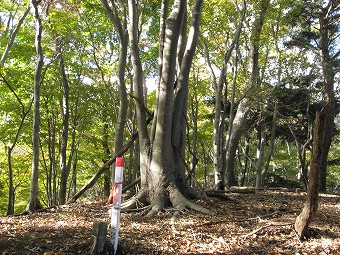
117	200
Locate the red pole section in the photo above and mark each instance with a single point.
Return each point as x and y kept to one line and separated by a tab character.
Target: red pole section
117	200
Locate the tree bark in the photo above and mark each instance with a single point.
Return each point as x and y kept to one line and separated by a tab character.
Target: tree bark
162	162
163	173
178	133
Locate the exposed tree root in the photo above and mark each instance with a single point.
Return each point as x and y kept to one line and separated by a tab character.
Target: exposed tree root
177	200
173	196
137	201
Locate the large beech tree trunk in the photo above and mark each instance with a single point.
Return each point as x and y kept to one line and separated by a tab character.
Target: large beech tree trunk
162	163
163	168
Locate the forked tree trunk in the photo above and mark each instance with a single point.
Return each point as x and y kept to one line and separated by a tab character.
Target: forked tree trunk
162	162
163	177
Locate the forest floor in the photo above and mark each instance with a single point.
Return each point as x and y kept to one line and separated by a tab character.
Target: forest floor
257	222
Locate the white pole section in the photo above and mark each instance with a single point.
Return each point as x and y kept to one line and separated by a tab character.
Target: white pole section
117	200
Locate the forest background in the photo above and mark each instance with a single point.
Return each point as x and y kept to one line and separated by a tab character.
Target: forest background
85	82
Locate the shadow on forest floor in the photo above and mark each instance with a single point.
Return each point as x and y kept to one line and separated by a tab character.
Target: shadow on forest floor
246	223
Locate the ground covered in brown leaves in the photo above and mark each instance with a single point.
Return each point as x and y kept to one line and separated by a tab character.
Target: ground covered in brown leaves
245	223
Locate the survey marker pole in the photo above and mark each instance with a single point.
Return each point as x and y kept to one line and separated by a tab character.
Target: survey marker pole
117	200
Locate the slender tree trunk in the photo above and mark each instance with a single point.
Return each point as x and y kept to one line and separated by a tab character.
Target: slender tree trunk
193	146
260	155
272	142
138	83
219	122
246	163
34	202
13	34
64	169
74	175
245	106
179	123
118	17
164	15
106	157
10	206
239	126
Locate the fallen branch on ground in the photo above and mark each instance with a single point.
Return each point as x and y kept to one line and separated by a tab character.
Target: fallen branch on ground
257	218
267	226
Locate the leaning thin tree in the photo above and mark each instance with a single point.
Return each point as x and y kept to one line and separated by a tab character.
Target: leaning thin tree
323	127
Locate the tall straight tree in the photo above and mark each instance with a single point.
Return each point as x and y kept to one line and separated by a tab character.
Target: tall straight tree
64	167
117	13
34	202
